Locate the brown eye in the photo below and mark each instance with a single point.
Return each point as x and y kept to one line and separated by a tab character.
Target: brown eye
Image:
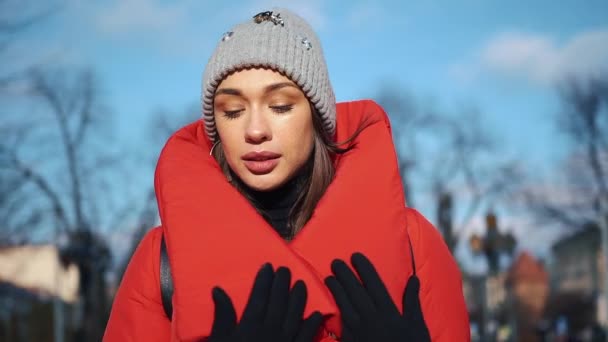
282	109
232	114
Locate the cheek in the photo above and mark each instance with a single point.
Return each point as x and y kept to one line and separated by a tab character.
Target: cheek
230	141
300	138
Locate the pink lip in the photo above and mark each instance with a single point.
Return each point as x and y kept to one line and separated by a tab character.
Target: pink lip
262	162
260	156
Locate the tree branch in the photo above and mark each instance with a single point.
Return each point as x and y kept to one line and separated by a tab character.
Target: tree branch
42	87
39	181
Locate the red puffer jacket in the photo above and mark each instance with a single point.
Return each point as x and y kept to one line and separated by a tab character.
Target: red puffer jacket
215	238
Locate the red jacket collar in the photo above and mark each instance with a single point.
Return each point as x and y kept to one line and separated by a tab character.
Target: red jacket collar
216	238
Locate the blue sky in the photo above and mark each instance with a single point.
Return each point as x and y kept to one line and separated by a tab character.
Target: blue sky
502	57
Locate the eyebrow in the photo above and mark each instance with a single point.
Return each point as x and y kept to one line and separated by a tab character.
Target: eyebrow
278	86
267	89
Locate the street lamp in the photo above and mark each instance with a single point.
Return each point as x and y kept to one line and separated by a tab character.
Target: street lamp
491	246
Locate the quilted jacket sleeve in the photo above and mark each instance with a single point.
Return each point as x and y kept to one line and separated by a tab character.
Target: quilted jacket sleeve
137	312
441	295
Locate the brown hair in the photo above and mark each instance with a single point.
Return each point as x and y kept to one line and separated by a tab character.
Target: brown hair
318	173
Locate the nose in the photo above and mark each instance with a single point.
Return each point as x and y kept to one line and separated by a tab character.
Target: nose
258	128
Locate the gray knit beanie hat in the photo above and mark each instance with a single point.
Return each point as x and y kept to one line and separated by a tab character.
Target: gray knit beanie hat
279	40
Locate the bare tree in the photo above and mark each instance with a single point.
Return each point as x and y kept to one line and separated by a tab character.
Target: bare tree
408	121
59	159
577	196
57	148
16	18
467	166
162	125
573	199
446	155
58	165
17	214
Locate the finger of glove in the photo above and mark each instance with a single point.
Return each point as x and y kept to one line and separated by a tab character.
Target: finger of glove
295	308
373	284
224	321
253	315
413	311
355	291
309	327
350	317
411	299
278	299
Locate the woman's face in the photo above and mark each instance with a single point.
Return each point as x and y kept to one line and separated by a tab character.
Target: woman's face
264	122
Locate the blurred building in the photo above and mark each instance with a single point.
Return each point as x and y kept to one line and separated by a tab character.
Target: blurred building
487	303
528	286
509	304
577	262
577	280
38	294
496	291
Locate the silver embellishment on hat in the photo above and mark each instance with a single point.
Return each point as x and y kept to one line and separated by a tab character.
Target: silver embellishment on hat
227	36
306	43
275	18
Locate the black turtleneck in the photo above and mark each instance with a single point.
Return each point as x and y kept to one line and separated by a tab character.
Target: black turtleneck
275	205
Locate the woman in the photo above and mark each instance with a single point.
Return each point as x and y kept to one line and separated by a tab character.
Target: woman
263	210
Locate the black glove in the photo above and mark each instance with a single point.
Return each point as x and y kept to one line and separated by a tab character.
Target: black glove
368	312
273	313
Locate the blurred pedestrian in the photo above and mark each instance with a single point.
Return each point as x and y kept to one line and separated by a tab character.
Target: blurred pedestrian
283	213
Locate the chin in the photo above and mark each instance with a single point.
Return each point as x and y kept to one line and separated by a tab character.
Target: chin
263	182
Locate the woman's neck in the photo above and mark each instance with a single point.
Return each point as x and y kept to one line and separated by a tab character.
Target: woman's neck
276	205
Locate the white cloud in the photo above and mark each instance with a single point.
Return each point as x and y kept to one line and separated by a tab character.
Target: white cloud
140	15
539	59
181	29
189	27
366	14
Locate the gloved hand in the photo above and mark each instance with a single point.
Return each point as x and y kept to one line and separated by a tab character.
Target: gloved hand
273	312
368	312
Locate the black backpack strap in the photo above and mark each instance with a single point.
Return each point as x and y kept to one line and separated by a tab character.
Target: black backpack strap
166	282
